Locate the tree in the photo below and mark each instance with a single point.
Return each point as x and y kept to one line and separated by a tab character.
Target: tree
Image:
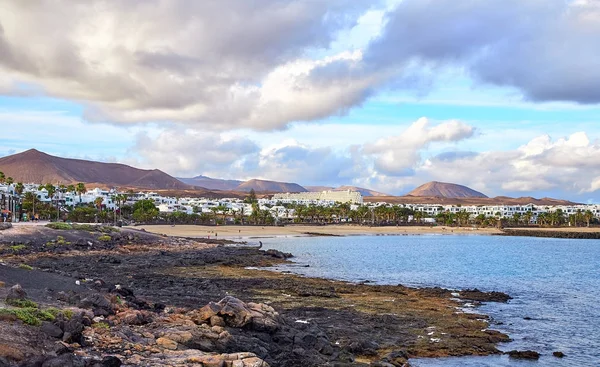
71	188
588	215
251	198
50	189
19	188
98	202
80	189
144	211
9	180
2	177
527	217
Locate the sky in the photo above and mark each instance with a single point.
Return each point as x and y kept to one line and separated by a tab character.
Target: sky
502	96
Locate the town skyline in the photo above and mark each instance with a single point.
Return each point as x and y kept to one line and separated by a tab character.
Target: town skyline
385	95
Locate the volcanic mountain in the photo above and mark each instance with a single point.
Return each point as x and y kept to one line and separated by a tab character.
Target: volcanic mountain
270	186
33	166
445	190
362	190
212	183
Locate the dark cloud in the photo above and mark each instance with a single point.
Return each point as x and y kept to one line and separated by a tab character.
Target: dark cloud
547	49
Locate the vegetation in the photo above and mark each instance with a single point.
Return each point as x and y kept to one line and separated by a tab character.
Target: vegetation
29	315
105	238
21	303
25	267
17	248
81	227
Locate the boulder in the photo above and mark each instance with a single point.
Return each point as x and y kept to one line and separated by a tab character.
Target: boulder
524	354
51	329
16	292
558	354
232	312
98	303
135	317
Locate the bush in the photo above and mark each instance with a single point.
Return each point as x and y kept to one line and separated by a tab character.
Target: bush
30	315
17	248
68	314
25	267
59	225
21	303
105	238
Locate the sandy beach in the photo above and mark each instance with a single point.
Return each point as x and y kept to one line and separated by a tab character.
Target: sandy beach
237	232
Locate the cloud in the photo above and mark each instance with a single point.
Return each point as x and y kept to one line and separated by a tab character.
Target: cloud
565	166
398	155
190	152
202	63
544	48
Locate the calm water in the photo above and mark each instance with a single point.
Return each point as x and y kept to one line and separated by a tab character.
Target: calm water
555	282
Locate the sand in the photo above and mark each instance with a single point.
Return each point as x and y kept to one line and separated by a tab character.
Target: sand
237	232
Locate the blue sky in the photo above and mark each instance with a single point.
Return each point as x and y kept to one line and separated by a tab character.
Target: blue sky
384	95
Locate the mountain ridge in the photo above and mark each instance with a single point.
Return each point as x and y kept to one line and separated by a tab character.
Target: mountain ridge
39	167
445	190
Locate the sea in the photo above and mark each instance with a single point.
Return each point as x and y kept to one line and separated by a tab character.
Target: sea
555	284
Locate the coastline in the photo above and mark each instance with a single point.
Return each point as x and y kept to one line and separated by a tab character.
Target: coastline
359	324
243	232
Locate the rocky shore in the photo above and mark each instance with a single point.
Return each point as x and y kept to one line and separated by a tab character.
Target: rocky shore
550	233
108	297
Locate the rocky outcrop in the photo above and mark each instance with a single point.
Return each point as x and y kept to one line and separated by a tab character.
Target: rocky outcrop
232	312
549	233
524	354
16	293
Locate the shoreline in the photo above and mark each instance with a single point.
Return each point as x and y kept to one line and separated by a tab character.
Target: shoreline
250	232
356	323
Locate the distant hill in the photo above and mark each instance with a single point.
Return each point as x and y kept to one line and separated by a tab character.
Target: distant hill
318	188
445	190
38	167
212	183
363	191
270	186
437	200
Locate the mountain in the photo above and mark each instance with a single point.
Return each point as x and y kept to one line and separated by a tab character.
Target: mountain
319	188
33	166
270	186
212	183
445	190
362	190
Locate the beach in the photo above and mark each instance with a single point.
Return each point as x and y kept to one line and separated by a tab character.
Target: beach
241	232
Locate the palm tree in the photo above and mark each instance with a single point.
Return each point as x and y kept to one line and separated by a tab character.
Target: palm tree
50	189
71	188
527	217
2	177
19	188
9	180
98	202
80	189
588	215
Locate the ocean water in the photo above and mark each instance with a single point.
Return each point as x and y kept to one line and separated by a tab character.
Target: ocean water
555	284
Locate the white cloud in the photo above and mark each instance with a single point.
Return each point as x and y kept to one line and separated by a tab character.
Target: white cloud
214	64
398	155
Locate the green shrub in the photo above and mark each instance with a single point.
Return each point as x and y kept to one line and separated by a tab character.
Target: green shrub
59	225
68	314
22	303
104	238
29	315
25	267
17	248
